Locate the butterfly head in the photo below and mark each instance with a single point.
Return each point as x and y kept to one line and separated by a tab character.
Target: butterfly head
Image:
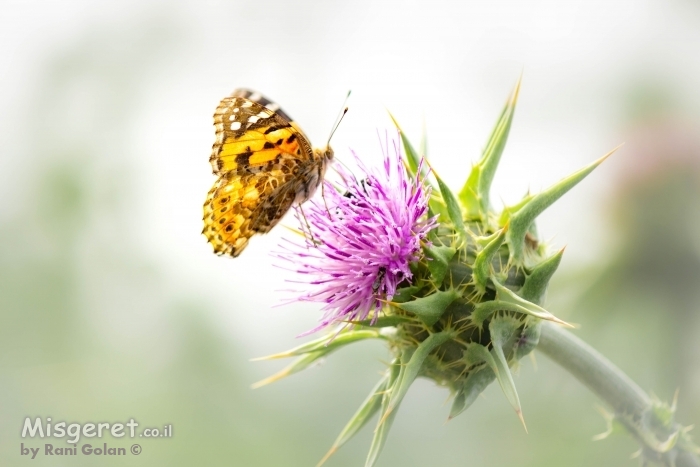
324	154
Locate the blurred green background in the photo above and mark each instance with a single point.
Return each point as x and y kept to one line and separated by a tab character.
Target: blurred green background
112	305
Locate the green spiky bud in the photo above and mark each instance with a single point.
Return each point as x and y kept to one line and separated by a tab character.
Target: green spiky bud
475	301
481	285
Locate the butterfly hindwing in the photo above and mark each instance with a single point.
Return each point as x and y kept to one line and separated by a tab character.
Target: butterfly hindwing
240	205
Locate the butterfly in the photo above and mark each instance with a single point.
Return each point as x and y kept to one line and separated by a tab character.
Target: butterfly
264	163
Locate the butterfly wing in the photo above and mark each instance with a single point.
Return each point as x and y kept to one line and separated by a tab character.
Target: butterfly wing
250	135
263	161
241	205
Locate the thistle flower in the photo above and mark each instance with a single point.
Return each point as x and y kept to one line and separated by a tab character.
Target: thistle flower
361	238
460	309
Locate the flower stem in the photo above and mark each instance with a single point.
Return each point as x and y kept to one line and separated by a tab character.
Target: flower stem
605	380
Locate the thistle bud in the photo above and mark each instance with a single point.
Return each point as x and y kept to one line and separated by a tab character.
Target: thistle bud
455	289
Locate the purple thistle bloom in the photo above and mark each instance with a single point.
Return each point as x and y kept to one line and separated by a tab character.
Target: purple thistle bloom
361	239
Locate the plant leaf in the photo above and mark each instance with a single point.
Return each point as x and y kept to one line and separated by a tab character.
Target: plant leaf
474	195
411	370
521	219
535	285
482	263
508	300
453	209
325	344
412	156
429	309
528	339
440	257
476	382
384	425
296	366
405	294
382	321
369	407
502	330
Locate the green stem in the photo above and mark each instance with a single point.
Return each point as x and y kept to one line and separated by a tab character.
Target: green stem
604	379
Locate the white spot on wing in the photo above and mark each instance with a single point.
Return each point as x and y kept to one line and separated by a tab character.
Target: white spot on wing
235	126
253	119
273	106
255	96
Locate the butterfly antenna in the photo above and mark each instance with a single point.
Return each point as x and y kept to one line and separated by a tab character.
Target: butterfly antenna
339	118
335	127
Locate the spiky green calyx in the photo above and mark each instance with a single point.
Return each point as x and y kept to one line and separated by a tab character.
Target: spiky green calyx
474	305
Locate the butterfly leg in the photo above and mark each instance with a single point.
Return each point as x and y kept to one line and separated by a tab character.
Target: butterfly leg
323	196
307	233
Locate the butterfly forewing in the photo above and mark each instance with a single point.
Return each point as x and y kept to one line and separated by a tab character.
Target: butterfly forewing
264	162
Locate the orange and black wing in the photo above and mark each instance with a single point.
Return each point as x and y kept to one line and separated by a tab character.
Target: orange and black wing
250	135
241	205
259	156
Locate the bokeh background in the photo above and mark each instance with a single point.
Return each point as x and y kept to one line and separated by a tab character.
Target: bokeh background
112	305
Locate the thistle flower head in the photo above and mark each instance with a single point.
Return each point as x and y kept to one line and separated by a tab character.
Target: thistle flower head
361	238
460	309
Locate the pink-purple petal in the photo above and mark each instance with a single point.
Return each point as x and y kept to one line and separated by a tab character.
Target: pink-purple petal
373	223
